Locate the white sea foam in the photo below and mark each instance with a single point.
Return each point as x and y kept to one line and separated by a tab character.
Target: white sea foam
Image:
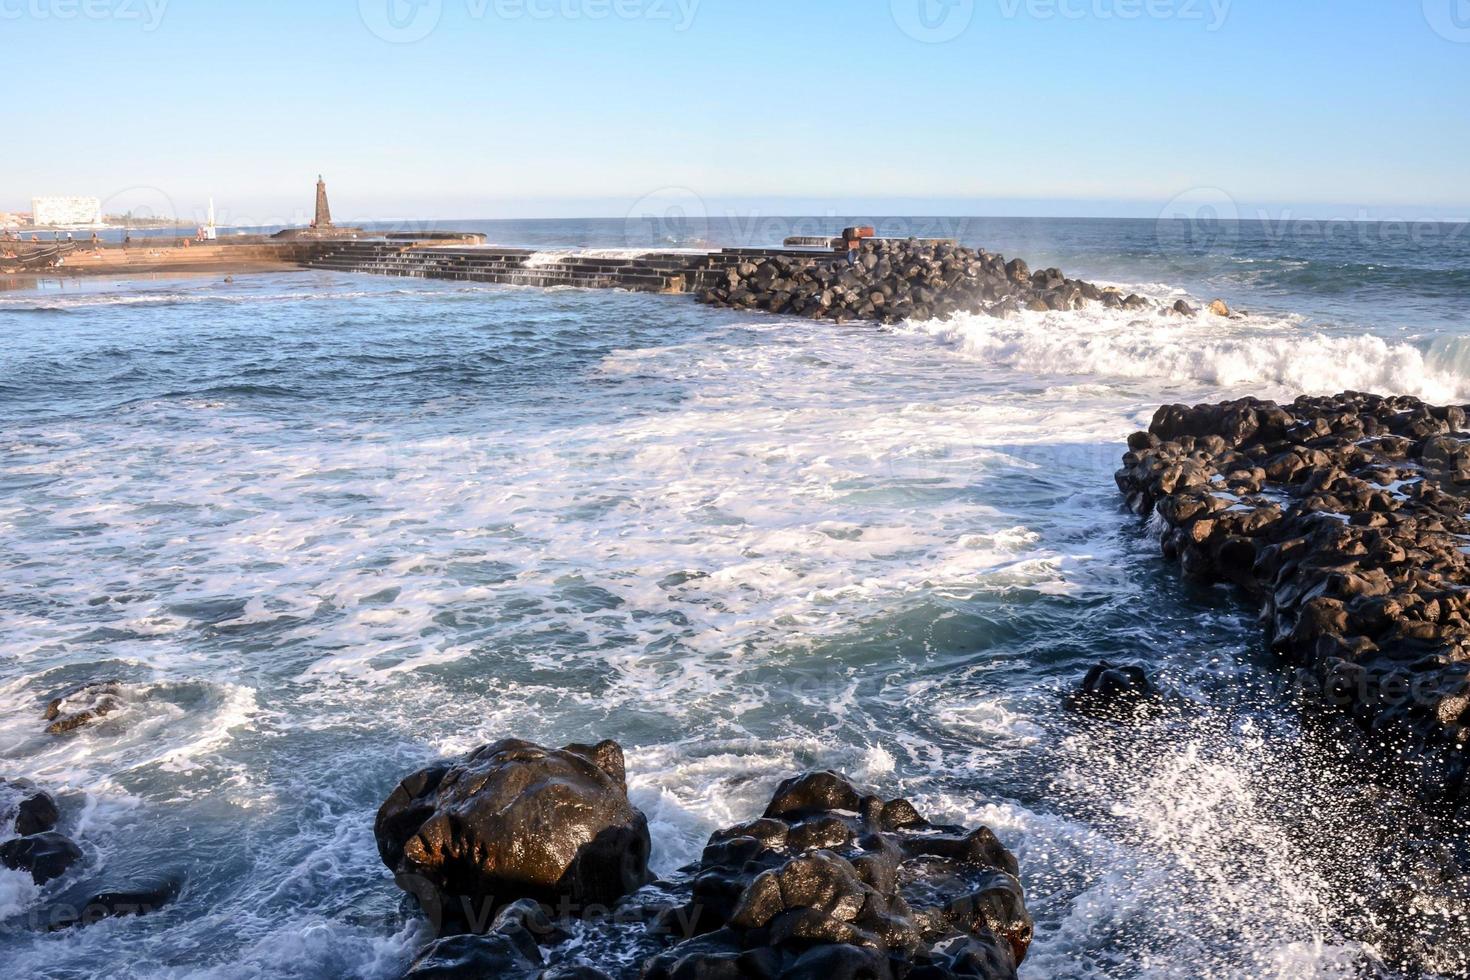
771	547
1264	355
557	256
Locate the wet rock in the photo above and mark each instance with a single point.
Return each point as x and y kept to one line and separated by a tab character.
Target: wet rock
1219	307
510	948
32	810
1183	308
139	898
1344	519
831	882
46	856
1111	692
82	706
474	958
515	820
36	814
897	280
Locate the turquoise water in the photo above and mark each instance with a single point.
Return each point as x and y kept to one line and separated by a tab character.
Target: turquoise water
326	528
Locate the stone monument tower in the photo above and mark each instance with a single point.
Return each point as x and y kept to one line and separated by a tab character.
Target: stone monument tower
323	211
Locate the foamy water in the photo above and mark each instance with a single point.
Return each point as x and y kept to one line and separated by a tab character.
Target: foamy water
325	529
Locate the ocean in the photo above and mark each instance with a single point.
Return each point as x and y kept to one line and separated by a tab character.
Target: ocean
327	528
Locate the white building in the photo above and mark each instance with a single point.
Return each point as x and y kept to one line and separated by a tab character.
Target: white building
54	212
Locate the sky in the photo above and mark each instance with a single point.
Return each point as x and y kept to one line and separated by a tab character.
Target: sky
562	108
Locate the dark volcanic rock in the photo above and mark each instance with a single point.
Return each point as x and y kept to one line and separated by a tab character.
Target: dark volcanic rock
142	898
46	856
898	280
514	820
33	810
1345	518
1115	693
36	815
511	948
832	883
81	706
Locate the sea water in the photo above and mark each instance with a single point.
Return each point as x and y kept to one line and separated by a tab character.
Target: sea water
325	529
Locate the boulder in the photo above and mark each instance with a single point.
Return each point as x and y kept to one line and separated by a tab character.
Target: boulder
137	898
1112	692
511	948
36	814
32	810
81	706
46	856
832	882
512	821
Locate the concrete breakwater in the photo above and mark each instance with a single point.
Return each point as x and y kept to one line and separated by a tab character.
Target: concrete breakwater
885	280
658	272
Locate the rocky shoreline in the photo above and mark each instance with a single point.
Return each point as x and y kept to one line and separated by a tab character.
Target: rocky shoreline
530	862
1345	518
892	280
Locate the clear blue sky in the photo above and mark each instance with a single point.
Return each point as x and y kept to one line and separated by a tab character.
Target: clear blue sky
515	108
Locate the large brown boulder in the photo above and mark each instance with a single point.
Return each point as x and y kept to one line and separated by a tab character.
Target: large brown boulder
513	821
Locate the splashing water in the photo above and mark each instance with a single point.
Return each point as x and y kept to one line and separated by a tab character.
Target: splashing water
324	529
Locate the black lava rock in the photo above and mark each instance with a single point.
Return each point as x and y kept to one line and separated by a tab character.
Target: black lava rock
138	898
1115	693
33	810
1345	519
897	280
515	820
833	883
46	856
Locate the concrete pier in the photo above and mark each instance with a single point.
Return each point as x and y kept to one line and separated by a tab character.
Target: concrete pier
654	272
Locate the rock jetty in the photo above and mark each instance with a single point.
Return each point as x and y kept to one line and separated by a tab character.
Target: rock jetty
830	883
895	280
1345	518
